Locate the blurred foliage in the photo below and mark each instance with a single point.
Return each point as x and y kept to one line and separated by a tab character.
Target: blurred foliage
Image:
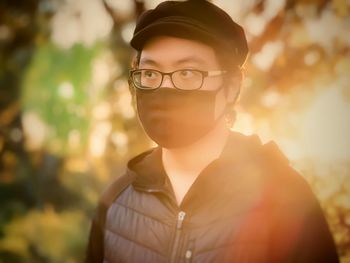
68	125
55	87
46	236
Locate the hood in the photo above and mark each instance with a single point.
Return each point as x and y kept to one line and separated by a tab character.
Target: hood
239	151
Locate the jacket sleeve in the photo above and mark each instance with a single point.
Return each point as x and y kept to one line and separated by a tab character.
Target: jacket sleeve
316	243
300	231
95	248
94	253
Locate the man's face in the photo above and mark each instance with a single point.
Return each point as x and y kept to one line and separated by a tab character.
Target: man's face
168	54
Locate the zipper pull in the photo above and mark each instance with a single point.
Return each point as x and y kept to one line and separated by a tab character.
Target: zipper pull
180	218
188	256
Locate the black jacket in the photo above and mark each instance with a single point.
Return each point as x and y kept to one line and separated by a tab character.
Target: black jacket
246	206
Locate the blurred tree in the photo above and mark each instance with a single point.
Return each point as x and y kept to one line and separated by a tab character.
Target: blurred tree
17	34
29	180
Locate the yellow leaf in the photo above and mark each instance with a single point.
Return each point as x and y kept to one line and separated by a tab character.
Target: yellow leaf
341	7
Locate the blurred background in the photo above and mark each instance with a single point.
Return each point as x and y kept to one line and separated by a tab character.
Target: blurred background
68	122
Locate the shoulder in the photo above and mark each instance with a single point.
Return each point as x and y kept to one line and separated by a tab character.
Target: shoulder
121	182
287	185
115	188
296	213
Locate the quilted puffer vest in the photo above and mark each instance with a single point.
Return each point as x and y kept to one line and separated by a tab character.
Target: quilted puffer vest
146	227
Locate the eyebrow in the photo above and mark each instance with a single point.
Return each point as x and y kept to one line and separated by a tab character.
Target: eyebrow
148	61
190	59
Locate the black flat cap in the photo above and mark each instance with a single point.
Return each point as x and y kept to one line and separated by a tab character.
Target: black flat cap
193	19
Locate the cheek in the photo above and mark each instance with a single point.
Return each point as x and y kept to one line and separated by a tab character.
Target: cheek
220	103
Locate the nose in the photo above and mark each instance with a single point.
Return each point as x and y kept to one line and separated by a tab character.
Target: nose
167	83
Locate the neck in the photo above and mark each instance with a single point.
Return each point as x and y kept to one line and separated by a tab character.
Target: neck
192	159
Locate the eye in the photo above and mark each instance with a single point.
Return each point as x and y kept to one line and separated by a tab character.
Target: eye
149	74
186	73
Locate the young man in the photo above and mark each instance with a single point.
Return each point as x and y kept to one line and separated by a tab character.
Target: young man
205	194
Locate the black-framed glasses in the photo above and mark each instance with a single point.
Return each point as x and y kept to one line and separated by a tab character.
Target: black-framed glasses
183	79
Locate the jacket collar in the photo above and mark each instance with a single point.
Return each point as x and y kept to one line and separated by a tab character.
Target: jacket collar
149	170
241	174
151	175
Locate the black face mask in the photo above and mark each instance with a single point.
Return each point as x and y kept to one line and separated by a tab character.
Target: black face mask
174	118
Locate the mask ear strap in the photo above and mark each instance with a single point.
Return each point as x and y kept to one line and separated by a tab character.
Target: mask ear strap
230	113
230	118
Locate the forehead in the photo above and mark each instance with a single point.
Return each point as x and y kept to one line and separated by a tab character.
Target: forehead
171	51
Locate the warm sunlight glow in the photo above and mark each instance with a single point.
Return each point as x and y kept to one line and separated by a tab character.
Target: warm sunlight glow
326	130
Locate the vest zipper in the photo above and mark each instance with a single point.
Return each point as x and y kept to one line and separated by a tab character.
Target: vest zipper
189	251
188	256
180	218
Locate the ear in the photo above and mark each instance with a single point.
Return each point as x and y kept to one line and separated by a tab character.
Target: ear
234	86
